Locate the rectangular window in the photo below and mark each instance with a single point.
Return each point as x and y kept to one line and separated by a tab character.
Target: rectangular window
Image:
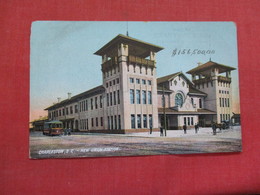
76	108
112	127
150	120
114	97
86	104
87	124
149	97
220	117
188	120
119	122
132	96
200	103
192	123
91	101
132	121
114	82
101	121
143	81
59	112
67	111
138	98
115	118
223	104
92	122
139	121
163	97
111	102
71	110
145	121
80	106
100	101
110	83
118	97
96	121
107	85
131	80
228	102
144	96
117	80
138	81
107	99
185	120
108	122
220	102
149	82
96	104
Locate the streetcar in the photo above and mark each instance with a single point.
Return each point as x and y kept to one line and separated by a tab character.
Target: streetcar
53	128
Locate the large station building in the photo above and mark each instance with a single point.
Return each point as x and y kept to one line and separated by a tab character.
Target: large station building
132	99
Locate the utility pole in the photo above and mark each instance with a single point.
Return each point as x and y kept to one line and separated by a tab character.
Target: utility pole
164	114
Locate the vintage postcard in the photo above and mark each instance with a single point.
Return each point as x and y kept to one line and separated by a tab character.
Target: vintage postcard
101	89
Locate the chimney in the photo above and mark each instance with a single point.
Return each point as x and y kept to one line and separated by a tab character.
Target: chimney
199	63
69	95
59	99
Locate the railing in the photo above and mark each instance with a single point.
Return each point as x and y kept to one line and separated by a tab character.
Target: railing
202	80
131	59
138	60
110	63
224	79
208	79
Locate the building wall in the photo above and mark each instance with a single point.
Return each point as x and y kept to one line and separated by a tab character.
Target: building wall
112	82
132	72
217	91
191	120
83	115
224	99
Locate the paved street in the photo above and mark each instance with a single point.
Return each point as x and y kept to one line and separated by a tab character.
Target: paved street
176	142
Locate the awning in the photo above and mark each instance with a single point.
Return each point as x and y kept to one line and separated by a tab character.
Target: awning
175	112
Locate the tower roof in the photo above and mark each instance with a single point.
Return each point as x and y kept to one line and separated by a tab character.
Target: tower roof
209	65
140	47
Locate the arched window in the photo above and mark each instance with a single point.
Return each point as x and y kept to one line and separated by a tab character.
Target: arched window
178	99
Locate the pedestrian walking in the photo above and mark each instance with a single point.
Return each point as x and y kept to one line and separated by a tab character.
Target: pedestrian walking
151	129
185	128
161	131
214	128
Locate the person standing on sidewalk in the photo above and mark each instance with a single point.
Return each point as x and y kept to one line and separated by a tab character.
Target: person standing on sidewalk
214	128
196	128
161	131
185	128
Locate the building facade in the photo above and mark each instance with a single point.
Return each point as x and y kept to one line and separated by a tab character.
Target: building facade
132	99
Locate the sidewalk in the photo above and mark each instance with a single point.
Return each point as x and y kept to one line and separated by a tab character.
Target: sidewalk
190	132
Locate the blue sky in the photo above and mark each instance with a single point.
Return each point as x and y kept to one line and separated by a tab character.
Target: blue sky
62	59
